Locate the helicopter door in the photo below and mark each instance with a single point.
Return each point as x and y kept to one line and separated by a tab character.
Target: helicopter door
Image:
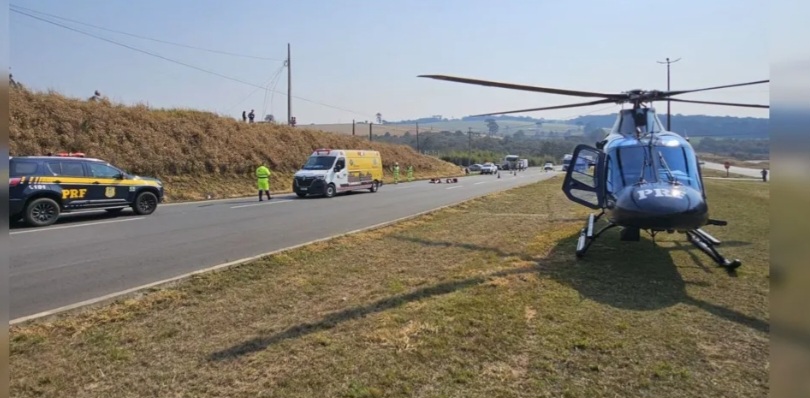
584	179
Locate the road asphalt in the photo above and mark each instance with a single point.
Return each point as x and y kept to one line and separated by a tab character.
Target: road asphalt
88	255
748	172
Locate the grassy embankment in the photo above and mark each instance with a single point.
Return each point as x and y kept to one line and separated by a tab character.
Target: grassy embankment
196	153
442	305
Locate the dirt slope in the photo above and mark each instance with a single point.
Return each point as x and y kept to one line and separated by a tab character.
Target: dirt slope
197	154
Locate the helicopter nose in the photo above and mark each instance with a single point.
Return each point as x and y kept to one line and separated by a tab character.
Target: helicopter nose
661	206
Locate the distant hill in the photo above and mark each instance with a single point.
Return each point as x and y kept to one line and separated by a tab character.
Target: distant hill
695	125
691	125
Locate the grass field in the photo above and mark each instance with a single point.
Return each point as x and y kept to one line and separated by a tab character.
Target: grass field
485	299
436	127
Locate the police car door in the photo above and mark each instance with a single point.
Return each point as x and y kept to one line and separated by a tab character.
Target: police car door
106	185
341	174
72	180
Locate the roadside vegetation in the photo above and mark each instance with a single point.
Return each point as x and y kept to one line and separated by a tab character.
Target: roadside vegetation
482	299
197	154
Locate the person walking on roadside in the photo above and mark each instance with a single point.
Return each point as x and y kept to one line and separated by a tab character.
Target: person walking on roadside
764	175
263	181
396	173
410	173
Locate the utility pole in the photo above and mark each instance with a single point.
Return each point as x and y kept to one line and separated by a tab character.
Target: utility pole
369	131
469	146
417	137
289	87
352	127
669	116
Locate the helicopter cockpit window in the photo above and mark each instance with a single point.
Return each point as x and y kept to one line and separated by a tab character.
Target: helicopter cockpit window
628	165
679	165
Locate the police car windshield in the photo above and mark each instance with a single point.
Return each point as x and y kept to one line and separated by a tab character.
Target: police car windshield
319	163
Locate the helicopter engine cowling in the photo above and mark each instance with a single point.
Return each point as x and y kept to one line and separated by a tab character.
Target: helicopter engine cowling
660	206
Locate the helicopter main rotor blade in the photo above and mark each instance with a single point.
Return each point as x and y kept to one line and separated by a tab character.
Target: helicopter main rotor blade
604	101
524	88
679	92
718	103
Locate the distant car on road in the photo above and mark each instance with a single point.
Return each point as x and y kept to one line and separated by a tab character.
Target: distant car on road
474	167
489	168
548	166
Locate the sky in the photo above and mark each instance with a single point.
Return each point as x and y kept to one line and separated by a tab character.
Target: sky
351	58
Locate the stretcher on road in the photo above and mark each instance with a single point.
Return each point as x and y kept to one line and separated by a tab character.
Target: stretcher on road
447	180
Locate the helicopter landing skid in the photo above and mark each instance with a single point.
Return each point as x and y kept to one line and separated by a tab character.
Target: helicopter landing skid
586	235
706	243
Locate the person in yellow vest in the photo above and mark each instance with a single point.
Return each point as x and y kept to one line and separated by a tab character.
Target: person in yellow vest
396	173
410	173
263	181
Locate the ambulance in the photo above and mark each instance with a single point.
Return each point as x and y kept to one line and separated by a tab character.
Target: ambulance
328	172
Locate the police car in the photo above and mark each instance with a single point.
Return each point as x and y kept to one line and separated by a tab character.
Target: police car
43	187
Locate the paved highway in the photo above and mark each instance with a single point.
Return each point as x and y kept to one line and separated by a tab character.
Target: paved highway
86	256
749	172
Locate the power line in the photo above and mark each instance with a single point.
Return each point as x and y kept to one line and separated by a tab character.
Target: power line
278	72
182	63
144	37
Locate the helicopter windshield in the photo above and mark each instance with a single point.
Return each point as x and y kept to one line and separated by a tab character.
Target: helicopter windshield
626	164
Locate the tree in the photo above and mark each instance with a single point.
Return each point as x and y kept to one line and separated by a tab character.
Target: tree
492	125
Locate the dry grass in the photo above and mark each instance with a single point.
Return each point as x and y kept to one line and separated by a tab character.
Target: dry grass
471	301
196	153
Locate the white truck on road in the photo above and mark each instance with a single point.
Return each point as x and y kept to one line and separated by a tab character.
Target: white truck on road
510	162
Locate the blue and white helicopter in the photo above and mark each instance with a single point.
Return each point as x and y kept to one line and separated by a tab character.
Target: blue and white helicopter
642	177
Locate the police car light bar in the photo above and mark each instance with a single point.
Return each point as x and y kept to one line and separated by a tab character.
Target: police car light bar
327	150
71	154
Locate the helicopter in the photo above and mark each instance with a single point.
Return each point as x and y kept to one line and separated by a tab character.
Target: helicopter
640	176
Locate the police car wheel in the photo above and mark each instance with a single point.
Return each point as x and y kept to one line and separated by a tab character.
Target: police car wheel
145	203
374	186
42	212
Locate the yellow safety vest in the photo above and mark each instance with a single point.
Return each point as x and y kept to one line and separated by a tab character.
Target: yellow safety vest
262	172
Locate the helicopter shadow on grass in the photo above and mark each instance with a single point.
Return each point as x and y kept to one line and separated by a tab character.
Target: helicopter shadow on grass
639	276
649	281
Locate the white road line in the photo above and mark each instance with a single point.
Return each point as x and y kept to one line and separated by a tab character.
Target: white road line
261	204
481	182
73	226
457	186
